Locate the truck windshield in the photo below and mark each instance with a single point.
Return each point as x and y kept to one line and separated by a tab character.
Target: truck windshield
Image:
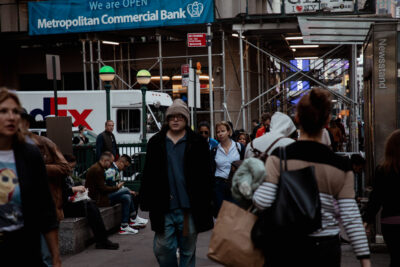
156	116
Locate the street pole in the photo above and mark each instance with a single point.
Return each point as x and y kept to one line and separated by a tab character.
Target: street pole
210	84
107	86
144	117
53	59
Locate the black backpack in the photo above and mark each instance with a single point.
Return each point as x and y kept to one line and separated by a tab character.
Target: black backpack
296	211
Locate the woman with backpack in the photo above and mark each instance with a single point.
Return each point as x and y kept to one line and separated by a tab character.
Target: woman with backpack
335	182
223	155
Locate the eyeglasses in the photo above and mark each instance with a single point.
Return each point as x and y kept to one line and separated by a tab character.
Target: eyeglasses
203	132
178	117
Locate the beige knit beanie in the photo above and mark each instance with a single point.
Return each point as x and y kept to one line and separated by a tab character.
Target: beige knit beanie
178	107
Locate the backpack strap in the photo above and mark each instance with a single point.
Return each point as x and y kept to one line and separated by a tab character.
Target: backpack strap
273	143
255	151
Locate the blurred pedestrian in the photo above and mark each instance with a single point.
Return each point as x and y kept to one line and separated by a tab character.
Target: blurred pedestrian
26	205
336	134
358	165
265	124
385	195
335	182
106	141
223	155
177	188
256	125
81	139
204	130
243	138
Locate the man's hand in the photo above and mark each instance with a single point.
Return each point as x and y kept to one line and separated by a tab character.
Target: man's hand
133	193
120	185
79	188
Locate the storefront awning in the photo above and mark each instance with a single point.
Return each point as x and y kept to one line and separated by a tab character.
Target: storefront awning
337	30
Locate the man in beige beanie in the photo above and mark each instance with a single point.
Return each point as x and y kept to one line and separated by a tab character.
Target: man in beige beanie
177	188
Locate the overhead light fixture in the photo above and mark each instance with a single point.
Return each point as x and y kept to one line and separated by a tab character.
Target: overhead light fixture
298	58
294	38
237	35
294	49
334	100
304	46
110	42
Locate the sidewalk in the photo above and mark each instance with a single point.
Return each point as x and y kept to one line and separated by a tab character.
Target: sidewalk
137	250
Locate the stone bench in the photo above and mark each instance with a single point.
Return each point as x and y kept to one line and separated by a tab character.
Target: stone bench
74	233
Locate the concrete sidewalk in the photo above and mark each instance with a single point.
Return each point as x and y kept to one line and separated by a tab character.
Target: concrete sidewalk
137	250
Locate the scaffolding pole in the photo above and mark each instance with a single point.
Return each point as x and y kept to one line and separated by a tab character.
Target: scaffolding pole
84	64
99	59
259	78
91	63
210	78
223	74
353	92
242	78
160	61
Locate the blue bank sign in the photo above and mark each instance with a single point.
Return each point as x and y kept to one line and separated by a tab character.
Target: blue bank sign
62	16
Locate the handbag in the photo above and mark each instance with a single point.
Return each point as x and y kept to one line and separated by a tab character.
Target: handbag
296	211
230	242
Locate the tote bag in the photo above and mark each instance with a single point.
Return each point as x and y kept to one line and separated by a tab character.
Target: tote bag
230	242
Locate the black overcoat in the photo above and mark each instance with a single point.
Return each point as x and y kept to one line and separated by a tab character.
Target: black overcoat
155	192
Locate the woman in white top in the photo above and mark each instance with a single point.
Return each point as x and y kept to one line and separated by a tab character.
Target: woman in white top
223	155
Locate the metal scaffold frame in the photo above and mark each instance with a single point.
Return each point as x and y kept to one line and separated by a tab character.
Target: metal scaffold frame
158	61
351	102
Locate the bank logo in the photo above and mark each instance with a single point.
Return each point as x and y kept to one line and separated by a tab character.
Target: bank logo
195	9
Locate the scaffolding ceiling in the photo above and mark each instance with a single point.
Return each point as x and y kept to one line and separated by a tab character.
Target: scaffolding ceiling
336	30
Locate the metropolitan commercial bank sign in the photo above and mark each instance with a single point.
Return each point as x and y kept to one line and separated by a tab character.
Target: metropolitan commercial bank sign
61	16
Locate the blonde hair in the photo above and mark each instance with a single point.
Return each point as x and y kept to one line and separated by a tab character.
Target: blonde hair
5	94
227	126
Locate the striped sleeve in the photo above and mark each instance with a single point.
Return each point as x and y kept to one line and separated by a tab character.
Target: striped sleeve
351	220
265	195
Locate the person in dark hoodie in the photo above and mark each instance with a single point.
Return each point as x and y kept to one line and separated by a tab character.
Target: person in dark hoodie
177	188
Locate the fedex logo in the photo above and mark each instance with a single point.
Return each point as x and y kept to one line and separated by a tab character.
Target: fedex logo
49	109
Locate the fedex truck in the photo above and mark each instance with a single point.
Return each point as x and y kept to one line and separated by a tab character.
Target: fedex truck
88	108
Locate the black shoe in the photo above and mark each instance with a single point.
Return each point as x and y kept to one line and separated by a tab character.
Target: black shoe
107	245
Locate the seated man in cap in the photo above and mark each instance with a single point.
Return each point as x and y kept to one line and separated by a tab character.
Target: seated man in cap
124	195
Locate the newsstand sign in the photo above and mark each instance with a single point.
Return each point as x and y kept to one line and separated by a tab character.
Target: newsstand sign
196	40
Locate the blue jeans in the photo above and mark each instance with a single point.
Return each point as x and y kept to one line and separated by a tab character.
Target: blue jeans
125	198
165	244
46	256
222	191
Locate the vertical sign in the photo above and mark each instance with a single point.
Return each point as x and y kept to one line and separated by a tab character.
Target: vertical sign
193	81
185	75
384	85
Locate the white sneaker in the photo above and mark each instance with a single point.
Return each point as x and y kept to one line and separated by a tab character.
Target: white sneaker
141	220
127	230
137	223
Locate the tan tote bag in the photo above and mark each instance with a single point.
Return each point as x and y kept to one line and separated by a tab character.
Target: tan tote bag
230	242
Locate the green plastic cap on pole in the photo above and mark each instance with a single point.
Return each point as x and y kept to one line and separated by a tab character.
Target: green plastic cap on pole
143	77
107	74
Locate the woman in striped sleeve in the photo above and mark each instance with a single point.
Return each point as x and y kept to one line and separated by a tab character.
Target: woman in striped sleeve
335	183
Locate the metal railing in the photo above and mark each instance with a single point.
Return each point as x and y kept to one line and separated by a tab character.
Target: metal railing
86	157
